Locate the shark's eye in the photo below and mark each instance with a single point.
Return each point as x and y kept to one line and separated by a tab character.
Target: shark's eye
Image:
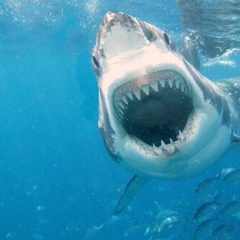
166	38
95	61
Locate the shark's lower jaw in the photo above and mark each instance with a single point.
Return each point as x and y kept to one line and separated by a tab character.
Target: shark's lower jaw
155	109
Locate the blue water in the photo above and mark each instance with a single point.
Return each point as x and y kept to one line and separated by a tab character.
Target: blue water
56	179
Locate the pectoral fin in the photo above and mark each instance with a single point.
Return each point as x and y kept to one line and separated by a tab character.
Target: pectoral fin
130	192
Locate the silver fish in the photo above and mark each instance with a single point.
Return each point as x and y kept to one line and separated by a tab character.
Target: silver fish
204	229
233	176
225	232
206	210
232	209
206	184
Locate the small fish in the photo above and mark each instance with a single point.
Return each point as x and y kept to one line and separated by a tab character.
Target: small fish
225	232
163	214
232	208
206	210
224	172
205	229
232	176
206	184
91	232
168	223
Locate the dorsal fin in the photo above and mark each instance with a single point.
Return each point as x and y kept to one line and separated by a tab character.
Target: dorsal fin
189	51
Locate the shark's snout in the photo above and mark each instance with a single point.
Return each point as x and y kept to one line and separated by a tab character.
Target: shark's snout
116	18
120	33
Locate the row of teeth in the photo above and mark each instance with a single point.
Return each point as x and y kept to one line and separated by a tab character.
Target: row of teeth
167	149
156	86
169	146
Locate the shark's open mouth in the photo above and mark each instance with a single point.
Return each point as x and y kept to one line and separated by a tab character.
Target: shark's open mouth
154	108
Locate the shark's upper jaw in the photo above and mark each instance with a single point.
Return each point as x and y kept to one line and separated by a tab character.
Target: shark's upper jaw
155	109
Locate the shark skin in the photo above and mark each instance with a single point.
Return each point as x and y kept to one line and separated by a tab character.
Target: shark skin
159	117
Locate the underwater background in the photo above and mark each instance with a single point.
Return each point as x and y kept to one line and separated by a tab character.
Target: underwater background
57	180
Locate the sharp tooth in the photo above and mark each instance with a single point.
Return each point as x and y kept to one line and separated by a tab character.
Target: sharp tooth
163	145
120	115
177	83
171	149
120	111
155	86
162	82
129	94
145	89
120	104
137	94
170	83
184	138
124	99
179	135
171	141
182	88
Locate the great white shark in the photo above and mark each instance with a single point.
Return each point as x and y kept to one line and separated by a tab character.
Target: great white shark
159	117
